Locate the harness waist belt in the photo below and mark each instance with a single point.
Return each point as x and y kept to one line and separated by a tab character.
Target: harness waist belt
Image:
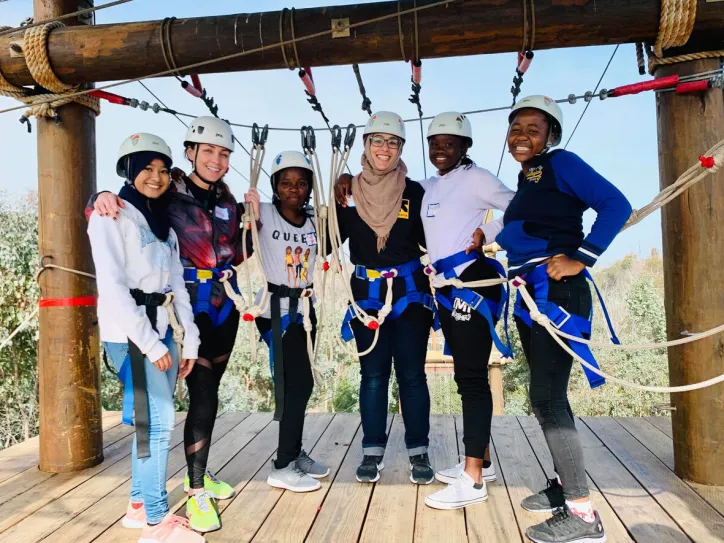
376	276
205	279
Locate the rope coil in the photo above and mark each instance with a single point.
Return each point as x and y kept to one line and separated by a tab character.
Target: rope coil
44	104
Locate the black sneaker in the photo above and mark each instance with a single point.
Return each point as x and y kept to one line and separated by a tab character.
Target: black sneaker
547	500
421	472
369	470
565	527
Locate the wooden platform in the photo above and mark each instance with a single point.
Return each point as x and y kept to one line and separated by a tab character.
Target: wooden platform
629	465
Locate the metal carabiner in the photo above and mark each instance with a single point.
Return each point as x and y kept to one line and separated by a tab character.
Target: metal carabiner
264	135
350	136
255	134
336	137
311	139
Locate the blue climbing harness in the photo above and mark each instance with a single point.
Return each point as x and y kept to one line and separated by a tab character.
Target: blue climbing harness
489	309
205	278
563	320
376	276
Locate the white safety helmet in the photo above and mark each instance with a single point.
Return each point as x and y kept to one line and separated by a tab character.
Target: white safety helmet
547	106
289	159
210	130
451	123
138	143
386	122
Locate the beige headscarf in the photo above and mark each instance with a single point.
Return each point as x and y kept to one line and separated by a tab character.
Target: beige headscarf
378	194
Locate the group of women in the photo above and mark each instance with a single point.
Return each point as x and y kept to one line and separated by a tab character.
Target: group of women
162	246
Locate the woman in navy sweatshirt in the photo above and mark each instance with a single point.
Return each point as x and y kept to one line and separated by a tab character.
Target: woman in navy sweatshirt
543	236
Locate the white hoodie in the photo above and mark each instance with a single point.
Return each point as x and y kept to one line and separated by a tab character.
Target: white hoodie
127	255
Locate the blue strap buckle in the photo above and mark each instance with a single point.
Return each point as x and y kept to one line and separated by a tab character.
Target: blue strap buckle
557	322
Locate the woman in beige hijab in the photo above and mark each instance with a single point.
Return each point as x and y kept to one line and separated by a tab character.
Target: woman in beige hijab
379	212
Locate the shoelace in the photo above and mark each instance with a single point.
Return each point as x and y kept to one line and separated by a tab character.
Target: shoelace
299	472
369	461
563	516
203	501
212	477
420	461
179	521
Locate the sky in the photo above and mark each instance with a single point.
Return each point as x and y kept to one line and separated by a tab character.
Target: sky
617	136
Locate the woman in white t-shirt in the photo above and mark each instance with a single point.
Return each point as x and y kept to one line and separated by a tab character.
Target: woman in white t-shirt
288	248
454	206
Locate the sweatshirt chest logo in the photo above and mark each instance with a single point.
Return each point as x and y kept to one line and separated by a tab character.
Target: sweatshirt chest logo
404	210
534	174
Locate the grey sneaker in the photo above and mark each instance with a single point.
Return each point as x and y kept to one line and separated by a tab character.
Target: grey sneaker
311	467
292	478
547	500
565	527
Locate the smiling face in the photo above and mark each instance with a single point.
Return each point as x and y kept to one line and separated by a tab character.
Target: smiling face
211	162
384	150
153	180
528	134
446	151
293	187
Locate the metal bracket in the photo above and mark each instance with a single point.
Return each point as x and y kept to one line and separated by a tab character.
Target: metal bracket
340	28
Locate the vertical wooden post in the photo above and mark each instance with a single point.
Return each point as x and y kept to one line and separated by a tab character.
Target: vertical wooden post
688	125
495	377
68	363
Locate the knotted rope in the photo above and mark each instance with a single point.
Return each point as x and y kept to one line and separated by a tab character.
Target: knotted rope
44	104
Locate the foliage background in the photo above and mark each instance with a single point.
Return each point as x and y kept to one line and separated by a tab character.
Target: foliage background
632	288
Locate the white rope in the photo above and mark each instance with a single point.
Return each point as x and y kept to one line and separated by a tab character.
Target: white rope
19	328
541	319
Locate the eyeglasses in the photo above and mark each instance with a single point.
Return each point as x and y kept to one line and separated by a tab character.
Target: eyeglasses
379	141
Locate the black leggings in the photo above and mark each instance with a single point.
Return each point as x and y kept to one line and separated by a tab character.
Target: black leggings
467	334
299	384
203	384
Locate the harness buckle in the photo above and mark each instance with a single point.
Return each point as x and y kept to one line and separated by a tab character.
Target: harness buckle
372	275
558	325
478	300
204	275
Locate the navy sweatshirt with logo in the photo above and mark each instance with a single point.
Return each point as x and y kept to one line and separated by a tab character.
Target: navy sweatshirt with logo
545	217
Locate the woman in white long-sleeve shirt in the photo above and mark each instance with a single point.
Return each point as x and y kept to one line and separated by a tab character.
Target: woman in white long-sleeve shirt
453	208
137	264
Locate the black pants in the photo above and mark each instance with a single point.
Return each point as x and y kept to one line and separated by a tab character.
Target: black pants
203	384
467	334
299	384
550	371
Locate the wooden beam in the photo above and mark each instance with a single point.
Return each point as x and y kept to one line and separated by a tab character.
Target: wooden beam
462	27
68	363
693	273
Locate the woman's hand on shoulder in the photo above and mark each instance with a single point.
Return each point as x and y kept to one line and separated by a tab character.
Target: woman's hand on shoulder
561	266
252	198
108	204
343	189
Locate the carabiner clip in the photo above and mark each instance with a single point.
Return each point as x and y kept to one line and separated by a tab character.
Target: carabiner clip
264	135
350	136
336	137
255	136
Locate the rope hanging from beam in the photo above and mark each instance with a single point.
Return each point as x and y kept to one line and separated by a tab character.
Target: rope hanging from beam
44	104
676	22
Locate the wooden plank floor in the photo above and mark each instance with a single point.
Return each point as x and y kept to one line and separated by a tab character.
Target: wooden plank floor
629	463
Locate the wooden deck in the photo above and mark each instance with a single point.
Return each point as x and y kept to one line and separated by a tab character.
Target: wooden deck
629	462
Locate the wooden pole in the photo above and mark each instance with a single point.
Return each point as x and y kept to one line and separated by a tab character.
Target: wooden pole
470	27
68	363
694	273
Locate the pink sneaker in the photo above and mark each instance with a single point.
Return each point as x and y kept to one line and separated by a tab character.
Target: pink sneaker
135	516
172	529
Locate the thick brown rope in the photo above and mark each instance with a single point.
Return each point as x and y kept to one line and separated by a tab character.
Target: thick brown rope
35	50
676	22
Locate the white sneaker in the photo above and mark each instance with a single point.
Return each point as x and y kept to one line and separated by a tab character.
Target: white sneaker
450	475
292	478
461	493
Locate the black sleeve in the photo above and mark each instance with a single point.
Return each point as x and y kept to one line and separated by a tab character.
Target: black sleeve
340	220
418	231
91	203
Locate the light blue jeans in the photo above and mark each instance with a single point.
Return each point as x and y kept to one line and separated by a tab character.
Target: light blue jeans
148	483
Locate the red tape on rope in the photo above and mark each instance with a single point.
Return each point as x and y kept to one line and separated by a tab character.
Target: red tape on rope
81	301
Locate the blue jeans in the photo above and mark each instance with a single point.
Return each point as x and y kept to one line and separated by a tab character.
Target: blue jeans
148	482
405	341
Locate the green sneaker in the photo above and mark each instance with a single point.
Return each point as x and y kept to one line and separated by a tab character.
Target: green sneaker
219	490
202	514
